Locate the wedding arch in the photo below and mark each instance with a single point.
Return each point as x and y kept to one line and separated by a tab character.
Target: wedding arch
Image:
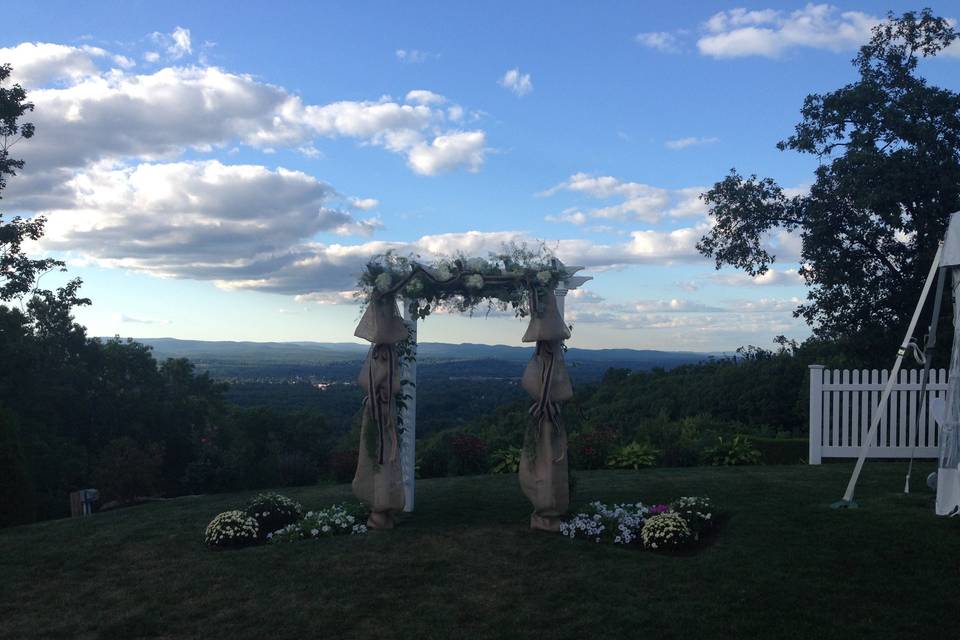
531	283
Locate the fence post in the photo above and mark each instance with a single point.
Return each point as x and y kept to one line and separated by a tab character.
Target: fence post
816	413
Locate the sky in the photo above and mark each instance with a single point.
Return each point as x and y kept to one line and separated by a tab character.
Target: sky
222	171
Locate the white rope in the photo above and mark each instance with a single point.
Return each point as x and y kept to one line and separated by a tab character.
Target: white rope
881	406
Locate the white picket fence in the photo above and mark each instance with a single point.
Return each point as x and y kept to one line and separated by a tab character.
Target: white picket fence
842	403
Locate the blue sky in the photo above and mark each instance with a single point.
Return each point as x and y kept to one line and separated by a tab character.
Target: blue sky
220	171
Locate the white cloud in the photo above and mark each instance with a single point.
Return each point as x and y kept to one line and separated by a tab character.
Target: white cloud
364	204
202	220
770	33
688	204
123	62
766	305
115	115
638	201
686	323
683	143
773	277
688	286
660	40
449	151
177	44
151	56
413	56
38	63
518	83
674	305
423	96
329	297
310	151
122	317
571	215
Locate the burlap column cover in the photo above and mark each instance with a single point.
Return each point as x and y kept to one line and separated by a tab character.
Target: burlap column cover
543	464
378	482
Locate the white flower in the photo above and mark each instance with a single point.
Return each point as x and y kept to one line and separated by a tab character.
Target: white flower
544	277
413	288
314	532
474	282
383	281
476	264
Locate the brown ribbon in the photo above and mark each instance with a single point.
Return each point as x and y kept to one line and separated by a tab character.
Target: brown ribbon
545	408
379	399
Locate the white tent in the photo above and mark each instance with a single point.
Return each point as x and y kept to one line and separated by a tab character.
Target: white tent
946	265
948	469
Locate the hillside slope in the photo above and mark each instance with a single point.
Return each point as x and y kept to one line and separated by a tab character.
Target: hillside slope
465	565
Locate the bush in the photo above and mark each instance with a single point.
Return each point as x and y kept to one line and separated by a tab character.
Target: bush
469	454
781	450
736	451
332	521
591	450
435	459
127	471
666	531
18	505
272	512
232	529
633	456
296	469
506	460
343	465
698	513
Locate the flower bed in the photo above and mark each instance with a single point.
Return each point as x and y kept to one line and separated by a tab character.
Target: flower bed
332	521
680	524
242	528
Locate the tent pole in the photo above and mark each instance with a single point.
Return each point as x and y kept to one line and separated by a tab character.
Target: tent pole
928	350
847	501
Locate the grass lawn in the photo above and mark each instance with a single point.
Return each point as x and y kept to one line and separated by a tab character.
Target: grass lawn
466	565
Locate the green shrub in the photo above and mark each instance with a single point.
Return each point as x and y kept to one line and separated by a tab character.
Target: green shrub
782	450
633	456
435	459
735	451
126	471
590	450
343	465
506	460
272	512
18	505
469	454
297	469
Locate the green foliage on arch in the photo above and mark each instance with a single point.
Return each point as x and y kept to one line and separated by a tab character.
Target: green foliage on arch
510	279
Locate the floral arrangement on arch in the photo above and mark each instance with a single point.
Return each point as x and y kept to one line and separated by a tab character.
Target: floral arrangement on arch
503	280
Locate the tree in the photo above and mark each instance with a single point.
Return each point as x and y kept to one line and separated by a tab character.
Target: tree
889	148
18	272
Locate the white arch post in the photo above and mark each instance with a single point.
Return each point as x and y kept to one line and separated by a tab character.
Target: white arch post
408	387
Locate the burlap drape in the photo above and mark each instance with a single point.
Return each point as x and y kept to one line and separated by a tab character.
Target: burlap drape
378	482
543	464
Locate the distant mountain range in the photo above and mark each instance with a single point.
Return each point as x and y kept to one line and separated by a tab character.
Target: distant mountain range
339	360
